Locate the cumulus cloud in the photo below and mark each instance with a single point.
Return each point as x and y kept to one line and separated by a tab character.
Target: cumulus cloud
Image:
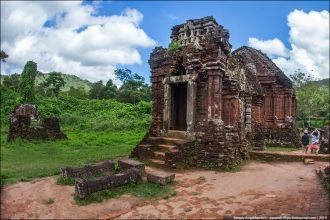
309	39
273	47
70	37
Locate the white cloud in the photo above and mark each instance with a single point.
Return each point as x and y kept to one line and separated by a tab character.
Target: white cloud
309	39
79	42
273	47
174	17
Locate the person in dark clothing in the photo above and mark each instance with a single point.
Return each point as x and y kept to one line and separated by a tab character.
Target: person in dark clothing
305	141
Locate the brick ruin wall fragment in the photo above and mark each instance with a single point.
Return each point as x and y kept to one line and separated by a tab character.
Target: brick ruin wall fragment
20	125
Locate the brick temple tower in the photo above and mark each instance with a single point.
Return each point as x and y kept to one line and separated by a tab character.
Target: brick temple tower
208	102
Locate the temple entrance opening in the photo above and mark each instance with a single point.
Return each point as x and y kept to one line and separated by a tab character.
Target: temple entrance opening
179	107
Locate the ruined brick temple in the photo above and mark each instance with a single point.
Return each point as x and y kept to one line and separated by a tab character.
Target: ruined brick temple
212	106
20	125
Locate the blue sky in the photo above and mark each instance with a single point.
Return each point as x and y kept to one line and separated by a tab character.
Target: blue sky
267	22
244	19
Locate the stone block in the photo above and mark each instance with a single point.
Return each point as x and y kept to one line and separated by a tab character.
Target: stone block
126	164
84	187
308	161
160	177
88	170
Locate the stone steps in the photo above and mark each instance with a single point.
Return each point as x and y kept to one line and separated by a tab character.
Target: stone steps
177	134
159	155
160	177
165	147
155	148
156	163
166	140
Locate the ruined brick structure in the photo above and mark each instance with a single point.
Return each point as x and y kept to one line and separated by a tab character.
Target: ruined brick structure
211	106
20	125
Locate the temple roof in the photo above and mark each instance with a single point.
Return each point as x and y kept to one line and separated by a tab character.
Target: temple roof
265	68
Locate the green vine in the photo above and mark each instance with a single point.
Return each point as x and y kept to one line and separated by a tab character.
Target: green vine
27	82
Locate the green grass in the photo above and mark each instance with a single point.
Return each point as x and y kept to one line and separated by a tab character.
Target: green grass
50	201
145	190
24	160
70	181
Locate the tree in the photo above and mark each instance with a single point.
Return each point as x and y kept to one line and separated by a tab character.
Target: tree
53	84
3	56
110	90
97	90
133	88
27	82
312	99
78	92
12	81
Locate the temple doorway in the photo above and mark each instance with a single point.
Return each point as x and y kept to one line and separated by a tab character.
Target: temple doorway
179	107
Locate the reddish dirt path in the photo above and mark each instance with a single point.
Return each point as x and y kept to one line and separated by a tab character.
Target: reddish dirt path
258	189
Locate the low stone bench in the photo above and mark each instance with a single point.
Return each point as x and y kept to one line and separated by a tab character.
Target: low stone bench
128	163
160	177
88	170
83	187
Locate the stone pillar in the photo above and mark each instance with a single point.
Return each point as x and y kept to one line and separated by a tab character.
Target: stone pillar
167	107
289	108
275	106
248	117
191	105
214	95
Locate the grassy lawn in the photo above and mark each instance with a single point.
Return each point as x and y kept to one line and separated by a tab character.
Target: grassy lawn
23	160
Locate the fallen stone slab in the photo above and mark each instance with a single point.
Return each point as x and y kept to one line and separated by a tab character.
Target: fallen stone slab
88	170
308	161
126	164
160	177
83	187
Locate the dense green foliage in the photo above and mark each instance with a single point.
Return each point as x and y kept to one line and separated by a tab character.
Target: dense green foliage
27	82
84	114
313	102
133	88
11	81
52	85
70	81
97	130
100	91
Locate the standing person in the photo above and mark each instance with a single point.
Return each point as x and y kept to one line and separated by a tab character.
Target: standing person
305	141
315	141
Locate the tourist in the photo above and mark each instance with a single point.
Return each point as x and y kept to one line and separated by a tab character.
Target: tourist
315	141
305	141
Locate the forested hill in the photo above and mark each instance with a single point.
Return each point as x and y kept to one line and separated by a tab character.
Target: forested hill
323	82
70	81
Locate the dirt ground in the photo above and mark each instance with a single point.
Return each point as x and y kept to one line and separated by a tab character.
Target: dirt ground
259	189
